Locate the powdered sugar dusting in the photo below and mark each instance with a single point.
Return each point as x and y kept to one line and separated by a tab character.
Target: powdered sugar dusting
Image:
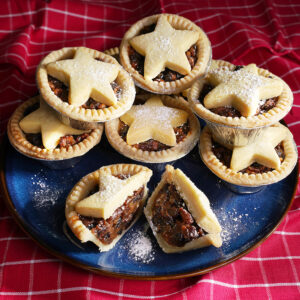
242	83
233	224
157	115
43	194
139	246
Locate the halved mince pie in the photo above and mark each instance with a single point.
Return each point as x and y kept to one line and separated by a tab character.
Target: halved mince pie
104	204
165	53
180	215
35	130
270	158
243	96
160	130
85	84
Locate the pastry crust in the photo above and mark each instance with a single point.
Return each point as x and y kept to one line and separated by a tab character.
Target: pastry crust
82	189
197	204
115	52
18	140
173	87
79	113
244	179
173	153
272	116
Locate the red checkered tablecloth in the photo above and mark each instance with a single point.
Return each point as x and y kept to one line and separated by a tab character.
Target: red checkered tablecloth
264	32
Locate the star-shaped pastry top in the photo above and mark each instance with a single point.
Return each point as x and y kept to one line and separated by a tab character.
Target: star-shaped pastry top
261	151
153	120
45	121
112	193
242	89
86	77
164	47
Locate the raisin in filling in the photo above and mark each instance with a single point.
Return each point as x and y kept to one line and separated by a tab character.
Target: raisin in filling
106	230
152	145
172	219
228	111
62	92
64	142
224	155
137	60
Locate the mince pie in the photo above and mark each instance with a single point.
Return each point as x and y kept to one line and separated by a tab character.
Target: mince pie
165	53
160	130
104	204
180	215
114	52
51	140
244	96
268	159
85	84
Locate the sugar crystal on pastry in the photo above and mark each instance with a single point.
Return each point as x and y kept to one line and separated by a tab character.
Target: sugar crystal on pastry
164	47
111	195
153	120
86	77
243	89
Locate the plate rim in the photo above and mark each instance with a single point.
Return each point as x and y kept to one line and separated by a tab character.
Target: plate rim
22	224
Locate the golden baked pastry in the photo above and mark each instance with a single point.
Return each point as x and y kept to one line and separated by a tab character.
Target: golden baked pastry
270	158
180	216
165	53
56	142
85	84
114	52
160	130
104	204
243	96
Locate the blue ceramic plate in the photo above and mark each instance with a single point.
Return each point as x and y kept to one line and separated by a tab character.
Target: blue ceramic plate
36	196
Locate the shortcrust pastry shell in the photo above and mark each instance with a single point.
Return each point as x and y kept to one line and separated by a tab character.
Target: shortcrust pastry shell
244	179
79	113
206	219
115	52
18	140
82	189
173	153
272	116
172	87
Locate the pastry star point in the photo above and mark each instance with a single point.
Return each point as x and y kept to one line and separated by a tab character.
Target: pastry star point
44	121
112	193
164	47
153	120
243	89
261	151
86	77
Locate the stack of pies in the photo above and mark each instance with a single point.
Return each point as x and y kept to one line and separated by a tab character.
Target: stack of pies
243	143
139	94
79	89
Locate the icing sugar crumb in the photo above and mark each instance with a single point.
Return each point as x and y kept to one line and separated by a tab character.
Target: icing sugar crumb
139	247
44	195
248	82
233	224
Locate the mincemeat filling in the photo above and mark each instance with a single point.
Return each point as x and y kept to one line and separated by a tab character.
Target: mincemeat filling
172	219
224	155
152	145
106	230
